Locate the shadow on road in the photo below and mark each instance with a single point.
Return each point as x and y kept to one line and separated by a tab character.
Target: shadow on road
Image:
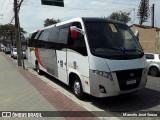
144	99
137	101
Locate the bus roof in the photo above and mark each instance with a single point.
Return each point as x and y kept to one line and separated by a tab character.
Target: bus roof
101	20
95	19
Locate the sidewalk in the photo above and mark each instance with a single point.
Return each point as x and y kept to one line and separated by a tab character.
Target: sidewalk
20	90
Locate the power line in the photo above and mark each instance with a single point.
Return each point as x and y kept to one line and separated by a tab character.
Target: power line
6	6
115	3
2	5
12	19
19	6
5	10
104	1
26	1
70	8
9	14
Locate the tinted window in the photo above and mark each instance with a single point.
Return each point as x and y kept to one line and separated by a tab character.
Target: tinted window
53	34
77	24
63	35
78	44
53	38
149	56
37	35
63	38
31	40
44	35
42	41
112	41
8	49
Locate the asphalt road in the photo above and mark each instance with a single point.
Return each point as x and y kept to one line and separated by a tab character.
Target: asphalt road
147	100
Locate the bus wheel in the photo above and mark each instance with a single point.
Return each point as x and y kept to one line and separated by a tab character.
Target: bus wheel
77	88
38	70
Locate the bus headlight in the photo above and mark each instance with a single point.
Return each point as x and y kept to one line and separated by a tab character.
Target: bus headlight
104	74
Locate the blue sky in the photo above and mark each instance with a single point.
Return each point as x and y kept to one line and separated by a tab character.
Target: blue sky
32	13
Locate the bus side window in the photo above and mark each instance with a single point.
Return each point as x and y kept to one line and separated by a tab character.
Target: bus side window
78	43
31	40
43	40
53	38
30	43
63	38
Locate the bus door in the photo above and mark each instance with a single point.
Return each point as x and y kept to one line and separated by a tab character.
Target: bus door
31	47
77	56
62	54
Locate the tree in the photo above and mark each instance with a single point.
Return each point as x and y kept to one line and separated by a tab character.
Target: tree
52	21
120	16
143	11
7	33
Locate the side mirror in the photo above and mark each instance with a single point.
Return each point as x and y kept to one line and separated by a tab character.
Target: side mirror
76	32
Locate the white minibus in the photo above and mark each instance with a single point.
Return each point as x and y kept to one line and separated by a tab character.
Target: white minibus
97	56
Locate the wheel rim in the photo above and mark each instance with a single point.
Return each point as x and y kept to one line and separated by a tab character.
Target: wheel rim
154	71
77	87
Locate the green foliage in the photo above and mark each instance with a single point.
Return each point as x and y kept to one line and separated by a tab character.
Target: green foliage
7	32
120	16
52	21
143	11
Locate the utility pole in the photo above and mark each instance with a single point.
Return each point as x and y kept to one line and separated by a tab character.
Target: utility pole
152	15
17	31
11	33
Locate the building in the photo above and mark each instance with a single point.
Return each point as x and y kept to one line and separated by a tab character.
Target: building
149	37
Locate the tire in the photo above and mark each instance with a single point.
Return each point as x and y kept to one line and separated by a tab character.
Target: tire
77	88
154	71
38	69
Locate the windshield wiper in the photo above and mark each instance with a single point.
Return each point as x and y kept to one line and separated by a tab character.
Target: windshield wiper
124	50
114	48
136	50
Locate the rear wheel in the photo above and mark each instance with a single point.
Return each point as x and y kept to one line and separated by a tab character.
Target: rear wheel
38	69
77	88
154	71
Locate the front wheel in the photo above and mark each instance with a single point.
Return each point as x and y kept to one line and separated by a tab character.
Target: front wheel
77	88
38	69
154	71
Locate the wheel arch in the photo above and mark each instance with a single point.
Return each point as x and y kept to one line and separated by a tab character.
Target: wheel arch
74	79
154	65
72	75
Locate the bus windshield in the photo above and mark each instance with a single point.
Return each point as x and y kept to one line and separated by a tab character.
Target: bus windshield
112	40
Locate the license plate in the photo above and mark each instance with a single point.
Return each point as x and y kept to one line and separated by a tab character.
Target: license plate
131	82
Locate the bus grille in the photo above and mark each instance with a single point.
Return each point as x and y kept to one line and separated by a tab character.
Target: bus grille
126	78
